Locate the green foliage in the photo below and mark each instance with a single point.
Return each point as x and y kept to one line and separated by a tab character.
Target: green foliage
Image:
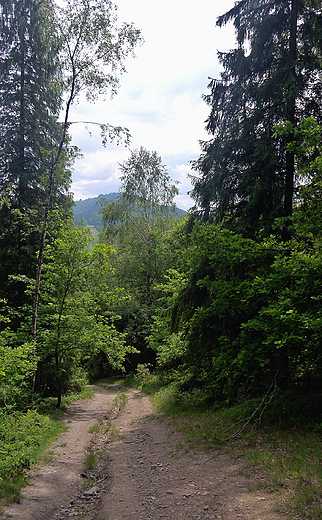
138	219
304	140
94	47
17	365
22	436
50	53
76	318
90	461
286	333
31	101
245	174
48	405
146	181
169	346
137	224
246	317
171	399
143	374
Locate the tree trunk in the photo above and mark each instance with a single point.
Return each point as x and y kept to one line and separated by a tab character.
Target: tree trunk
45	227
290	116
59	385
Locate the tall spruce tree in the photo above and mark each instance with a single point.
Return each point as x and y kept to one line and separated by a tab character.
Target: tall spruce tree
29	131
246	176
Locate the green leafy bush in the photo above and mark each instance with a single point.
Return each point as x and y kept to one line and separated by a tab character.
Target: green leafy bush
22	435
248	316
16	367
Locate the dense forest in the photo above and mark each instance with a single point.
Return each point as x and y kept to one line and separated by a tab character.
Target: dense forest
225	301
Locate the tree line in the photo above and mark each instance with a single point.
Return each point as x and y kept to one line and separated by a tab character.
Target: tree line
50	54
226	300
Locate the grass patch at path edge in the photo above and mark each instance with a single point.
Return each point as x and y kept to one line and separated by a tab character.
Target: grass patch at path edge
287	458
24	436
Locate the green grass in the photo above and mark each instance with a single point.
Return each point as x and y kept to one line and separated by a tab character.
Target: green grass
24	437
48	405
94	429
111	432
290	460
90	461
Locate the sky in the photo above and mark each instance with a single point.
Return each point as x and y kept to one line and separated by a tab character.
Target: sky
160	97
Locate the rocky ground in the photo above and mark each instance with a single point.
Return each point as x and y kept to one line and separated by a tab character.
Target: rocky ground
141	470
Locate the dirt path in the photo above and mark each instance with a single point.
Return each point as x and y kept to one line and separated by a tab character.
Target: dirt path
140	473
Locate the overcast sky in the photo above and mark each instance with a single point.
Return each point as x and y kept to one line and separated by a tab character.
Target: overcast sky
160	95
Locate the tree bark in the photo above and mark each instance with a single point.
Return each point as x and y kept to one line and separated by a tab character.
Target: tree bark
290	116
45	227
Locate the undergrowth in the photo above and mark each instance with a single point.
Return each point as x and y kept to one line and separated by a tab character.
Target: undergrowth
23	436
48	405
23	439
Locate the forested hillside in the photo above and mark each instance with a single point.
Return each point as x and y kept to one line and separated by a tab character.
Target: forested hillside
89	210
223	304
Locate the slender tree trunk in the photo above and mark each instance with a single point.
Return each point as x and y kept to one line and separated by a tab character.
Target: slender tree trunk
148	275
35	302
59	385
57	356
21	160
41	259
45	227
290	116
20	174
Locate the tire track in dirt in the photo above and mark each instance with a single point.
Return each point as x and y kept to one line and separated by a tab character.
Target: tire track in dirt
152	479
143	471
52	485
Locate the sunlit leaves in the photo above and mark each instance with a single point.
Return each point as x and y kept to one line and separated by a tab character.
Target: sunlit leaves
16	367
77	316
248	313
93	46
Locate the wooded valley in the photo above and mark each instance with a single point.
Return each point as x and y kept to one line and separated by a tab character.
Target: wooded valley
222	305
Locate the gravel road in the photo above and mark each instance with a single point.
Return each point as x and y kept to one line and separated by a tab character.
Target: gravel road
142	470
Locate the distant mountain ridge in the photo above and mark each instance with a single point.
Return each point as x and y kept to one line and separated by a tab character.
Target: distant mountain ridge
88	210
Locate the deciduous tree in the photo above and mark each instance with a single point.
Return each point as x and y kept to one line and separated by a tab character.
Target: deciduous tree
138	219
92	53
76	310
137	224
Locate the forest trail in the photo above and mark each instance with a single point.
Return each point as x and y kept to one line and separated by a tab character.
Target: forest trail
142	470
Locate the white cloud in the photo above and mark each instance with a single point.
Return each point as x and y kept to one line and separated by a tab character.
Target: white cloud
160	96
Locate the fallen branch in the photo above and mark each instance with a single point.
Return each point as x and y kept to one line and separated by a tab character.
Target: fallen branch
260	407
